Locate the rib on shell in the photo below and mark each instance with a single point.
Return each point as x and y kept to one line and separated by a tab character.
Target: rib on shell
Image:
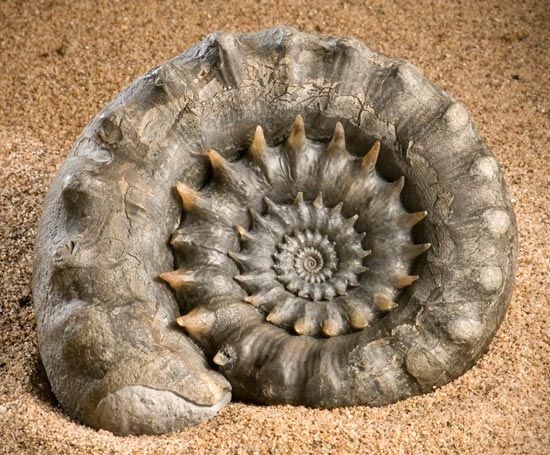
311	318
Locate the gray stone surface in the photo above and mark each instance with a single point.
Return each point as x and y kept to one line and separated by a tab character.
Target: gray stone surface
137	409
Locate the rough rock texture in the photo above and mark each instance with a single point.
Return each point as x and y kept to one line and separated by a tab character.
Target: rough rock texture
106	325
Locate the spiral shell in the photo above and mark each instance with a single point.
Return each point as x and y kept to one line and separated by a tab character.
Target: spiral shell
321	266
299	267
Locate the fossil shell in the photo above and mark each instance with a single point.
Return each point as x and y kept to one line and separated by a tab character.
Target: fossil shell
298	264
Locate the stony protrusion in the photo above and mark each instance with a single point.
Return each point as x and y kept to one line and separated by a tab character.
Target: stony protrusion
177	279
497	221
297	137
368	162
408	220
197	322
490	278
402	280
338	141
414	250
188	196
109	130
258	148
383	303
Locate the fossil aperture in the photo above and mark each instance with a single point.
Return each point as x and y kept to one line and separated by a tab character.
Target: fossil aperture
295	260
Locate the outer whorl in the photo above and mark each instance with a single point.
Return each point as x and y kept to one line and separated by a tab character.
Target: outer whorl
356	248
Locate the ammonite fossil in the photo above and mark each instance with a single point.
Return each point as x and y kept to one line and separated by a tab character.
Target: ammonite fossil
331	226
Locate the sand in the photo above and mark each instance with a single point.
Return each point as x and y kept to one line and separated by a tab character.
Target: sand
61	61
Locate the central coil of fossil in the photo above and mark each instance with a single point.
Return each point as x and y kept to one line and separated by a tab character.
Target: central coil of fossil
304	259
319	261
322	257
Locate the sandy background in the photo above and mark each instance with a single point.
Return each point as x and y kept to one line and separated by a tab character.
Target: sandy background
60	62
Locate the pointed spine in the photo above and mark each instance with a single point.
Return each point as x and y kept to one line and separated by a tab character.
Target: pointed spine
412	251
402	280
297	137
189	196
318	201
350	222
338	141
254	279
368	162
260	223
340	286
216	160
335	324
258	147
177	279
304	215
330	328
337	209
383	303
244	235
230	59
363	254
224	172
193	201
394	188
274	209
265	300
408	220
282	312
197	322
360	318
352	280
241	232
243	261
302	326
